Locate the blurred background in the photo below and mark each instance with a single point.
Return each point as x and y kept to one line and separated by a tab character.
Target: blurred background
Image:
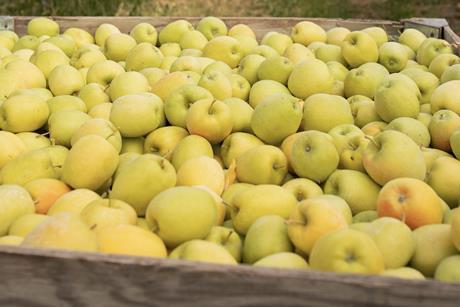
369	9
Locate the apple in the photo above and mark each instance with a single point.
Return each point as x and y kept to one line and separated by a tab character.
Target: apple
378	34
277	68
190	147
217	66
101	110
448	269
364	80
73	202
31	140
276	117
249	67
166	85
441	62
297	53
103	31
337	70
104	72
347	251
144	33
240	87
359	47
454	141
181	214
42	26
63	124
363	110
248	44
93	94
86	56
426	82
392	55
227	238
266	236
224	48
236	144
11	240
413	128
202	171
404	273
314	156
26	74
66	102
212	27
433	244
451	73
193	40
65	80
23	225
144	55
100	127
329	52
118	45
11	146
336	35
47	60
306	32
443	178
23	113
277	41
446	96
430	48
455	227
303	188
412	38
285	260
241	29
217	84
80	36
257	201
163	141
127	83
45	191
310	77
203	251
261	164
442	125
63	42
15	202
63	231
26	42
374	128
102	213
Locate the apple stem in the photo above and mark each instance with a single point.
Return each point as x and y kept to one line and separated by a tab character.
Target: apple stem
230	206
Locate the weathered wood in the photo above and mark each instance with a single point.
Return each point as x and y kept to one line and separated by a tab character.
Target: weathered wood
34	277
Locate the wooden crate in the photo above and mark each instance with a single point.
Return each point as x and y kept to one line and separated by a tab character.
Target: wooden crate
39	277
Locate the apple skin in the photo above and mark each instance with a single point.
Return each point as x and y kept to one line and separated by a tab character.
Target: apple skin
23	225
310	77
47	60
73	201
413	128
45	192
284	260
249	66
297	53
426	81
444	179
433	244
364	80
263	89
228	238
102	213
203	171
257	201
162	141
11	146
15	202
103	31
277	68
446	96
144	55
454	141
23	113
455	228
442	125
303	188
392	55
306	32
224	48
451	73
347	251
277	41
448	270
42	26
237	144
403	272
365	217
412	38
118	45
358	48
441	62
267	235
181	214
336	35
430	48
363	110
203	251
378	34
144	32
65	80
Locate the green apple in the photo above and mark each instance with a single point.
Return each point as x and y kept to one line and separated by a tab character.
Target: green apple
363	110
118	45
137	114
262	164
258	201
101	110
413	128
203	251
15	202
31	140
277	41
241	29
336	35
310	77
163	141
241	113
297	53
80	36
343	182
212	27
64	42
276	117
316	106
249	66
24	224
170	50
65	80
173	32
63	124
314	156
306	32
237	144
285	260
47	60
93	94
144	33
83	168
104	72
153	74
378	34
397	96
224	48
451	73
42	26
358	48
64	231
103	31
277	68
193	40
190	147
247	43
446	96
217	66
454	141
412	38
66	102
11	146
26	74
8	39
404	273
347	251
448	269
444	179
100	127
266	236
228	239
86	56
441	62
303	188
240	87
73	202
433	244
426	82
337	70
365	216
21	113
364	80
102	213
42	92
128	83
442	125
186	63
26	42
217	84
329	52
392	55
142	56
430	48
181	214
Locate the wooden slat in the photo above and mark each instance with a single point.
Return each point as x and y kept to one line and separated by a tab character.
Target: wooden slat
34	277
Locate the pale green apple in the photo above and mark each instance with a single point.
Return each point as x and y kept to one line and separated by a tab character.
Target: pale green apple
102	213
258	201
189	147
217	84
454	141
63	124
224	48
347	251
212	27
66	102
64	42
170	50
209	118
363	110
203	251
404	273
285	260
15	202
26	42
267	235
172	32
47	60
432	245
172	81
86	56
21	113
336	108
364	80
262	164
336	35
413	128
80	36
73	201
277	68
162	141
104	72
219	66
310	77
103	31
101	110
24	224
249	66
277	41
444	179
442	125
446	96
306	32
93	94
42	26
26	74
42	92
100	127
65	80
297	53
186	63
263	88
389	147
441	62
241	29
329	52
358	48
451	73
228	239
144	55
276	117
392	55
181	214
128	83
412	38
365	217
136	115
337	70
118	45
303	188
236	144
448	269
144	33
240	86
241	113
426	82
31	140
397	96
247	43
378	34
430	48
193	39
314	156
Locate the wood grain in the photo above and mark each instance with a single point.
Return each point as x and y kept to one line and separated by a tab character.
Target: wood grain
34	277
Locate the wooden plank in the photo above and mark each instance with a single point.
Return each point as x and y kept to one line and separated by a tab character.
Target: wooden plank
260	25
34	277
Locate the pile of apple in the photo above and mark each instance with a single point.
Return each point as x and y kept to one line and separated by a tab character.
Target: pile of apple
331	151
